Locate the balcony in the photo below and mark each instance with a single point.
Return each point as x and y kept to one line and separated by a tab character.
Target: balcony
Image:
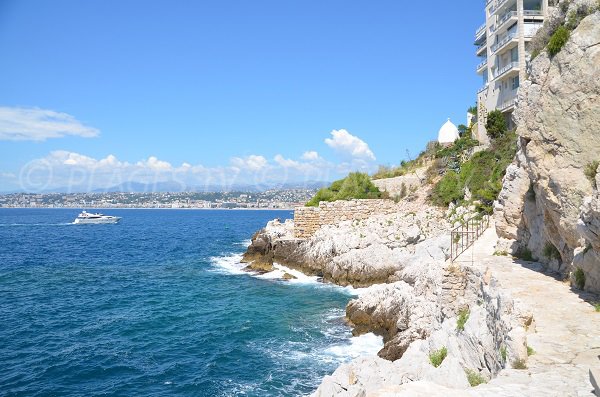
482	89
505	18
480	31
511	67
480	49
498	5
482	65
506	106
504	42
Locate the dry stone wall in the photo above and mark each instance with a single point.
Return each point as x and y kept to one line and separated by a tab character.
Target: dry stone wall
307	220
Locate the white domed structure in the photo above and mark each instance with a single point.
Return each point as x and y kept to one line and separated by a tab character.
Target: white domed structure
448	134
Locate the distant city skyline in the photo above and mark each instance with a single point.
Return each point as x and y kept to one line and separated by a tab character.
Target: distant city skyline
223	93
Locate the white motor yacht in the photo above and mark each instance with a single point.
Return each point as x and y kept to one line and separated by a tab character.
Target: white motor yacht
86	217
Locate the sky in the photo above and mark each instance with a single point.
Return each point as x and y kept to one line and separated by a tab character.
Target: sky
100	92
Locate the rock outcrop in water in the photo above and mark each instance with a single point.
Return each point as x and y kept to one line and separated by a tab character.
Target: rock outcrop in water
548	205
360	252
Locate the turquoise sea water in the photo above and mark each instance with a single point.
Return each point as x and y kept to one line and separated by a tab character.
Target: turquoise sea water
158	306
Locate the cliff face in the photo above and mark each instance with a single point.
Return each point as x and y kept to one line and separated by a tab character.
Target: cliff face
548	205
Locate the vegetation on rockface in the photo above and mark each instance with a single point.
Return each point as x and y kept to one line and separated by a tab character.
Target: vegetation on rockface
591	171
355	186
551	252
530	351
525	254
437	357
579	276
556	31
519	364
475	378
463	317
482	175
596	306
503	353
495	124
558	40
407	167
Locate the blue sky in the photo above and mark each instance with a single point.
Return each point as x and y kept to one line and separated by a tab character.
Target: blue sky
243	87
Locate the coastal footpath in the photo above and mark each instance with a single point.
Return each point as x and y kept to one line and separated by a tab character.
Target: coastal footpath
512	316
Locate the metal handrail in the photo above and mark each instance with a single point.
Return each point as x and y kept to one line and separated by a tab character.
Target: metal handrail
464	236
506	69
482	64
504	41
480	30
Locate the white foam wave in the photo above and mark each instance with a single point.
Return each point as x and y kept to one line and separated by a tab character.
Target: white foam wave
359	346
231	264
280	271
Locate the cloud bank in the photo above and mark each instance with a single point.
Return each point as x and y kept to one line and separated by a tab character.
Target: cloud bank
33	124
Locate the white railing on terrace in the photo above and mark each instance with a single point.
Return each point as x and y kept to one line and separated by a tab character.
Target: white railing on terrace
480	30
483	88
506	105
506	69
482	64
504	41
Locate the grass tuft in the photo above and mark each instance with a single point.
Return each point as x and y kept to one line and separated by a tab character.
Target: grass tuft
590	172
579	278
437	357
475	378
558	40
519	364
530	351
463	317
503	353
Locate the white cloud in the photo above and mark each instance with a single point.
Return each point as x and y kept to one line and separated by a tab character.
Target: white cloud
350	145
310	156
155	164
33	124
286	163
251	163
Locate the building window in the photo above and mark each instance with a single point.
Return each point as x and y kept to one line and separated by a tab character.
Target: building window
515	83
514	54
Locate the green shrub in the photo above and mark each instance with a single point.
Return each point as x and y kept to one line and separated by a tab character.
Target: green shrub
482	174
551	252
519	364
496	124
530	351
590	172
355	186
558	40
475	378
503	353
437	357
579	278
525	254
596	306
463	317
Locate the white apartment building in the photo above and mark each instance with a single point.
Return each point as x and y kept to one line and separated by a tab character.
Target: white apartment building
502	47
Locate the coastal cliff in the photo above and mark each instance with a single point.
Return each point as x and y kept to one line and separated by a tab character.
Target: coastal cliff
548	209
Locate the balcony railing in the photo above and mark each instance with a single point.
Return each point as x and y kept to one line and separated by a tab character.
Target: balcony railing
504	41
483	89
533	13
506	69
482	64
506	105
480	31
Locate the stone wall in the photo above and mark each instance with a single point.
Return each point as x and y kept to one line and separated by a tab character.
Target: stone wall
401	185
307	220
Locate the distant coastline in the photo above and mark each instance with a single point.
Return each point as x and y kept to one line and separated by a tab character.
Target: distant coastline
148	208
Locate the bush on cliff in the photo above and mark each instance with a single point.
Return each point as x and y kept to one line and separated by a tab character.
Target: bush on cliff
482	175
355	186
558	40
496	124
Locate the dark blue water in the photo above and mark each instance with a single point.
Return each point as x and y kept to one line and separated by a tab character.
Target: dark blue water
153	307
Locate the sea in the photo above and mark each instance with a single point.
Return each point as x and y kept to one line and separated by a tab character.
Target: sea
159	305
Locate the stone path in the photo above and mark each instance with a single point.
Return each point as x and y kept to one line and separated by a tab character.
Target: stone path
566	338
